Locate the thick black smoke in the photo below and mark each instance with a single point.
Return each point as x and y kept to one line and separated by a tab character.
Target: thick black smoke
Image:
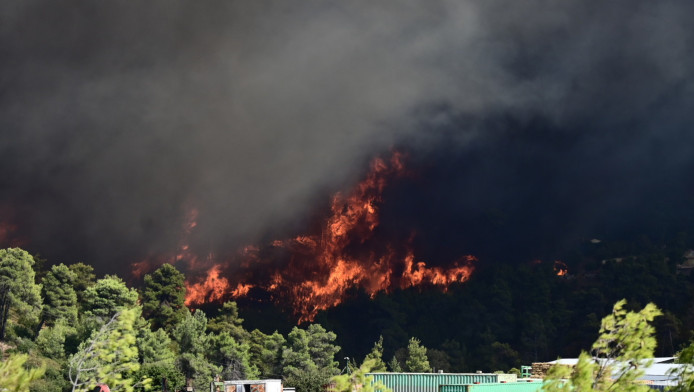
537	122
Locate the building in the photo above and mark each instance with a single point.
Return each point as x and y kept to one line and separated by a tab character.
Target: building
658	375
247	386
433	382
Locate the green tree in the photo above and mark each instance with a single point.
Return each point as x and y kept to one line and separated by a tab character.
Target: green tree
417	360
157	359
59	297
376	357
394	365
684	374
53	379
456	355
162	376
20	298
14	377
163	297
266	353
296	357
619	355
107	297
309	380
154	346
439	360
229	321
85	278
190	333
501	356
309	357
322	349
234	357
194	343
51	340
110	356
359	381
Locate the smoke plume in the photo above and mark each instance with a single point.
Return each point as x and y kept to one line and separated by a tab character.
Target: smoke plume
529	123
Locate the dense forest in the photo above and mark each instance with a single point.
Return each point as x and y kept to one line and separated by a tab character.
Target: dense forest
80	328
509	315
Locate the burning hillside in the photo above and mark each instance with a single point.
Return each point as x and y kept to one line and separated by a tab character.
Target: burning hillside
313	272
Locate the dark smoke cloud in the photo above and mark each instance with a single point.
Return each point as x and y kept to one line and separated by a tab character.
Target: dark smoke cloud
117	117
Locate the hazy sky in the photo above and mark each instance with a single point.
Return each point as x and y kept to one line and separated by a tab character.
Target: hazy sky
531	124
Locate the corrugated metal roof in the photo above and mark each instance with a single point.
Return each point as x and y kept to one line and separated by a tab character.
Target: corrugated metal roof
574	361
658	371
494	387
430	382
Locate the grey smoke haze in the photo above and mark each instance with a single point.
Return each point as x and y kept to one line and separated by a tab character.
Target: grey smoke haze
118	117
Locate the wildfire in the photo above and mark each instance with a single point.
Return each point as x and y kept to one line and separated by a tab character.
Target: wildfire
213	288
561	268
319	269
183	252
417	273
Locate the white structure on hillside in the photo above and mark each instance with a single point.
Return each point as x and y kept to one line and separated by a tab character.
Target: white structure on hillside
247	386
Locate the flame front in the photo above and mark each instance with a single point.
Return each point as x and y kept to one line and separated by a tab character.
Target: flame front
321	268
213	288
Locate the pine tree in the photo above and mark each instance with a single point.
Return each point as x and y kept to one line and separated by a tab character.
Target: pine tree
229	321
296	357
376	356
233	357
266	353
163	297
394	365
107	297
322	349
417	361
193	344
59	297
84	278
157	358
308	360
20	298
110	356
154	346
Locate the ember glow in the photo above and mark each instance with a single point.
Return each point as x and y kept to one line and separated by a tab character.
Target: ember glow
9	235
183	253
561	268
317	270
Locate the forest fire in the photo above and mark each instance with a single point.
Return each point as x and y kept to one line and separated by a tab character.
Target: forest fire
183	253
214	288
317	270
561	268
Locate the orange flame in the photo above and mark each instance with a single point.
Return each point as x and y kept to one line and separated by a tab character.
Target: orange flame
213	288
321	269
561	268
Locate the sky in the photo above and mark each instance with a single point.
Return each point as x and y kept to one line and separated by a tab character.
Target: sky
528	126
